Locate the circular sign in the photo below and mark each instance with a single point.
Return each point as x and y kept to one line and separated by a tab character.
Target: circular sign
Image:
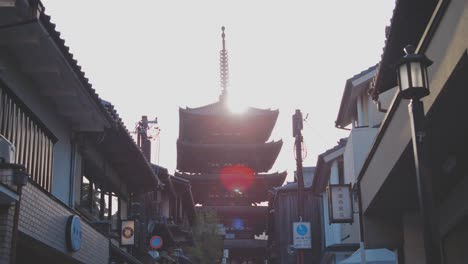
127	232
156	242
301	229
73	233
154	254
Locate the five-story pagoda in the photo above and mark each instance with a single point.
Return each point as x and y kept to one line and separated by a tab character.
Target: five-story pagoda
226	157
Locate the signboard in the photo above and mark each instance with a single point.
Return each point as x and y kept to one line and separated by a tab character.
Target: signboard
340	204
226	253
156	242
127	232
301	235
230	236
73	234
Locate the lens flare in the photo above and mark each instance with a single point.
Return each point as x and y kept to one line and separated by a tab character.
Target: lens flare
238	224
237	178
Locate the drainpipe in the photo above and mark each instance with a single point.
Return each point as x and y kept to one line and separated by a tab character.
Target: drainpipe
20	179
361	226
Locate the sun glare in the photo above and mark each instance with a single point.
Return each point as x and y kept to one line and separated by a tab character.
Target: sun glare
237	106
237	178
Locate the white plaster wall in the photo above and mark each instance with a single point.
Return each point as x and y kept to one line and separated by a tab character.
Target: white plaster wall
357	148
28	93
385	98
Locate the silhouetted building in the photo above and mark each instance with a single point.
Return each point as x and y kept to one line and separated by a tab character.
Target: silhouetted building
226	158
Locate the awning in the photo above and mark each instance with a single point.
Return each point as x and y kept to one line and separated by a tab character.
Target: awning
373	256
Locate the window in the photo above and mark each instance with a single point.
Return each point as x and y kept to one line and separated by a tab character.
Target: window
97	200
34	143
341	179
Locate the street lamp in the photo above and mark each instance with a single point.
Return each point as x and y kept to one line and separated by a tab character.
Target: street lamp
412	74
414	85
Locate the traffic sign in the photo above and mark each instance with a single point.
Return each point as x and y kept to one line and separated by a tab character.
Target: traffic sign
301	235
156	242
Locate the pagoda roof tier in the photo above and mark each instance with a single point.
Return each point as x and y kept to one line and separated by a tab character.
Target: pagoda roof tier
270	180
245	244
202	158
212	191
256	212
214	123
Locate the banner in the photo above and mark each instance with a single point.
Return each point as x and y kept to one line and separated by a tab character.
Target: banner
340	203
127	232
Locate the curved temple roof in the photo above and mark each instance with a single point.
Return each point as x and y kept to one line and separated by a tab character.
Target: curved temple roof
198	158
272	179
215	123
204	185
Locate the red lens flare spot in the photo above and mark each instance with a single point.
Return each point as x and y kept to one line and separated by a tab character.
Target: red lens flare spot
237	178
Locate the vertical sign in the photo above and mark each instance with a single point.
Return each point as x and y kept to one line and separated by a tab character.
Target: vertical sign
301	235
340	203
128	233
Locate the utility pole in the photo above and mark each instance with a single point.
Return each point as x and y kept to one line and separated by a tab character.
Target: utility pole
143	140
297	134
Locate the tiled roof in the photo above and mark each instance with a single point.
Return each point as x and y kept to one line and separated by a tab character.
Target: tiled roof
106	108
123	134
55	36
407	25
321	176
364	72
349	97
340	144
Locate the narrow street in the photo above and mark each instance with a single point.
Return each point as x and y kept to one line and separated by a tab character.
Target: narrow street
233	133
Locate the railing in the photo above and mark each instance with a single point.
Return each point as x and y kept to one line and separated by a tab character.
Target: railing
34	143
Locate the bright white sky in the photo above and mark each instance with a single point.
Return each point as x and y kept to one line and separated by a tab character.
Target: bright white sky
152	57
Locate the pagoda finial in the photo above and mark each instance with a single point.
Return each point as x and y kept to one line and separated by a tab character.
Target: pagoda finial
224	67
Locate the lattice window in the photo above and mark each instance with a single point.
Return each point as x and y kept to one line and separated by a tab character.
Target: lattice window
34	143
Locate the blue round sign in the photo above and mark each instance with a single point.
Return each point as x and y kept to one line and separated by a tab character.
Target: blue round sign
156	242
73	233
301	229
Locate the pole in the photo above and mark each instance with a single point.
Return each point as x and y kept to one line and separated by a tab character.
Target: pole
300	178
361	227
297	127
424	183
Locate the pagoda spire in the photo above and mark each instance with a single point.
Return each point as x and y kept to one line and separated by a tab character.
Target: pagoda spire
224	68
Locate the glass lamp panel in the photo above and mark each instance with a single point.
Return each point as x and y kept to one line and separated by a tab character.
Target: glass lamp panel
417	74
404	81
426	79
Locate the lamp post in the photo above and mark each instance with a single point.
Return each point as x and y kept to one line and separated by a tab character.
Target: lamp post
414	85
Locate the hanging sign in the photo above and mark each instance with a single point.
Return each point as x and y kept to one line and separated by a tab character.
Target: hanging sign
156	242
340	204
301	235
128	233
73	234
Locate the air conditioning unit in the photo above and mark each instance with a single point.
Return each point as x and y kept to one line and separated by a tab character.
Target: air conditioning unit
7	151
